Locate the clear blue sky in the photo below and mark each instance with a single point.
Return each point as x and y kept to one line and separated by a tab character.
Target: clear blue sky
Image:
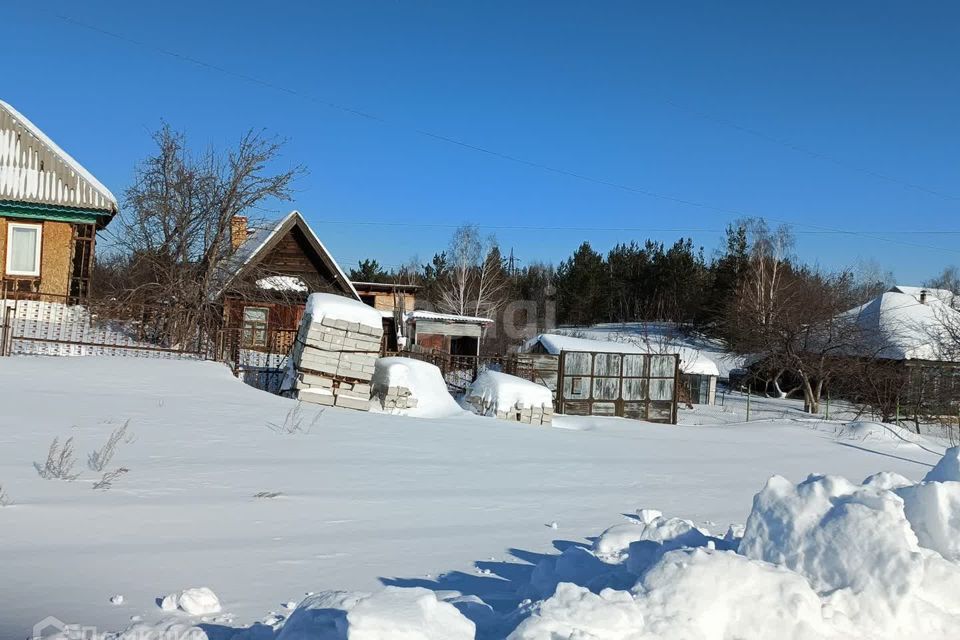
655	96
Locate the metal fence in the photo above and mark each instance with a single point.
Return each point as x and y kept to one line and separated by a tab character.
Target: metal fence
459	371
48	325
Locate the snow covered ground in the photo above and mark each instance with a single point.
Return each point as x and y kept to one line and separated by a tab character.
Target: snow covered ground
467	508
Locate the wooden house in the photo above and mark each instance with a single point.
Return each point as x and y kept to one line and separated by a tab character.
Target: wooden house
264	284
50	210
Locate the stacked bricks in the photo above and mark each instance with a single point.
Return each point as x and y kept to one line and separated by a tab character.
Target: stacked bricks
334	362
538	415
394	397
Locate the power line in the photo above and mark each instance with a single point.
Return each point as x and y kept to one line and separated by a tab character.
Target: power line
473	147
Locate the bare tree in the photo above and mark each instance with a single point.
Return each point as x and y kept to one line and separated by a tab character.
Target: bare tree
174	234
474	282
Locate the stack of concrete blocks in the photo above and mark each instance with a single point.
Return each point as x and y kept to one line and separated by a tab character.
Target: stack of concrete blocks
334	362
519	412
394	397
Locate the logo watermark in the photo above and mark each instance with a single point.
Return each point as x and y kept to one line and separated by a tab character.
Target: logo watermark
53	628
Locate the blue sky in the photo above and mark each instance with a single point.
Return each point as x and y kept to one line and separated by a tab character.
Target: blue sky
828	115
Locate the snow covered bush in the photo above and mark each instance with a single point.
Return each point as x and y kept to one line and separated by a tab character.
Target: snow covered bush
5	499
60	462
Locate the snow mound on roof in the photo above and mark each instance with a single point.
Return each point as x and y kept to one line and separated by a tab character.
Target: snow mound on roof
692	361
898	326
425	382
321	306
282	283
503	392
395	613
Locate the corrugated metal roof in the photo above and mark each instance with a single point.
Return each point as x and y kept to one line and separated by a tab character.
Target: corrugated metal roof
34	169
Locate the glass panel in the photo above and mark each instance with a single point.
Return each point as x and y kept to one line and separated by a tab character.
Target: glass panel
606	364
254	314
634	389
606	388
576	388
633	365
23	249
576	363
662	366
661	389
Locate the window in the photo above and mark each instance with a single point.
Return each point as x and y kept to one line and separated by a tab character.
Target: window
23	249
255	326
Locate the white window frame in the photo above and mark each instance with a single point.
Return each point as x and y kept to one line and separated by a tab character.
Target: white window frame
22	225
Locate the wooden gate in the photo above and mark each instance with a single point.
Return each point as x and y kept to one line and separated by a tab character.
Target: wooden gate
631	385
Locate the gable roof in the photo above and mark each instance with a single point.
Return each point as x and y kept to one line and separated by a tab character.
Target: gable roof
896	325
260	242
33	169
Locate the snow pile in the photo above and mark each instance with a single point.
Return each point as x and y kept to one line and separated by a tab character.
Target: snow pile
199	601
283	283
948	469
333	358
411	387
510	398
826	559
394	612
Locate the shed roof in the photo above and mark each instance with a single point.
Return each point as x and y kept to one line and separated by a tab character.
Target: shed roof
445	317
34	169
261	241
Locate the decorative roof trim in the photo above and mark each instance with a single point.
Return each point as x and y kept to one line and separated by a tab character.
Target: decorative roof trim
33	168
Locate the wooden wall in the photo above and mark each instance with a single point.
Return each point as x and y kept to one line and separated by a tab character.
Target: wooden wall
290	257
56	252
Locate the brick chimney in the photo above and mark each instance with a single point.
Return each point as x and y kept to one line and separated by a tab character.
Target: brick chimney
238	231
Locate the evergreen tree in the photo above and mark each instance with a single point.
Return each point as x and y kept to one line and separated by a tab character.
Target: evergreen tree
369	271
583	284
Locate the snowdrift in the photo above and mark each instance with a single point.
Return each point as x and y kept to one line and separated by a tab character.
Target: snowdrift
420	385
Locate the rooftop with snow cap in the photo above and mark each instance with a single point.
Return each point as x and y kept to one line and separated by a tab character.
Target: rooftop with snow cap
692	362
35	171
445	317
904	322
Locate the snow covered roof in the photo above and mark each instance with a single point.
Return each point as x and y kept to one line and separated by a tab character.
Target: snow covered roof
692	362
445	317
898	326
260	241
34	169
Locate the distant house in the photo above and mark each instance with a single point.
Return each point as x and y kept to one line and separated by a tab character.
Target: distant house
264	284
902	328
50	210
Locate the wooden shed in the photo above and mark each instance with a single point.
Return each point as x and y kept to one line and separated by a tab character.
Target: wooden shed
50	210
448	333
